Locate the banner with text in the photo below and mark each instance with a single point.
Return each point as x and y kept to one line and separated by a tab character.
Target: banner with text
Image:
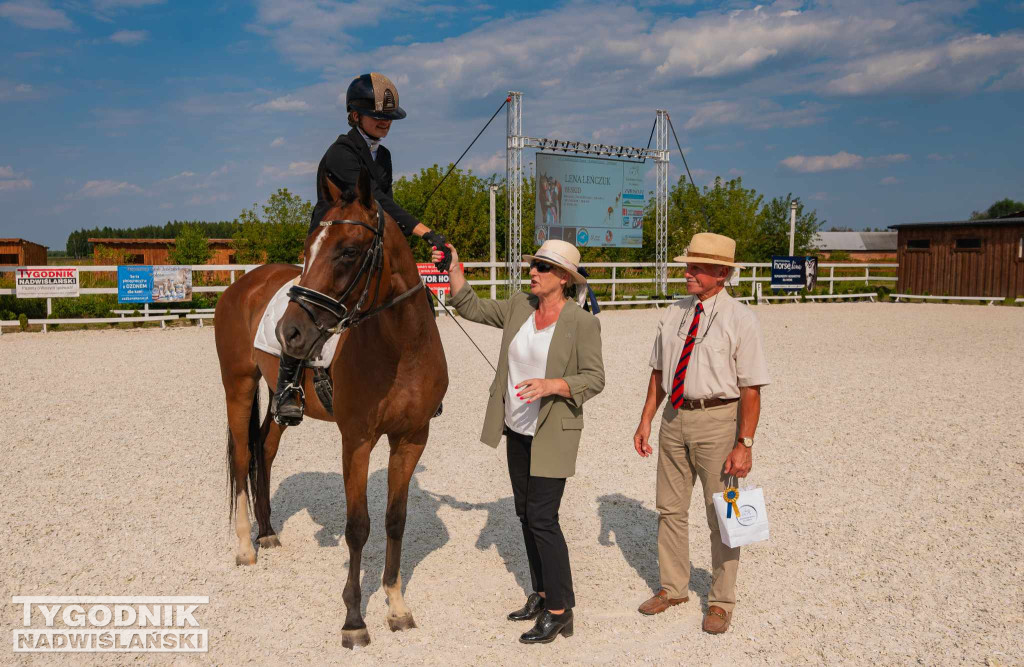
154	284
433	279
587	201
41	282
794	273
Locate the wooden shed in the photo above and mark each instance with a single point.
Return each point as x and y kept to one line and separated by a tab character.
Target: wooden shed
966	258
157	251
860	246
19	252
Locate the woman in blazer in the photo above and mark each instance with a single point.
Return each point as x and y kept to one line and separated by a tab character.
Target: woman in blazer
549	365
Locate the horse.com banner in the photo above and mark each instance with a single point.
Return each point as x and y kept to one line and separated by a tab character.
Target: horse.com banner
42	282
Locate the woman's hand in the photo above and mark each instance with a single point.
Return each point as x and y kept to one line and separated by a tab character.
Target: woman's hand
436	256
531	390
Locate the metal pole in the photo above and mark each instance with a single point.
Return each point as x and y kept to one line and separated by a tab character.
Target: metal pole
831	278
792	226
494	245
49	310
661	204
613	283
514	183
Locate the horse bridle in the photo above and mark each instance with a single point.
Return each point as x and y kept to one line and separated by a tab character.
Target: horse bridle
310	299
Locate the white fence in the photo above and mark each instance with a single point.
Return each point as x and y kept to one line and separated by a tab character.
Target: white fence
749	273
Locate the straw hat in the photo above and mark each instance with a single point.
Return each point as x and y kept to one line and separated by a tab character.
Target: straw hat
707	248
562	254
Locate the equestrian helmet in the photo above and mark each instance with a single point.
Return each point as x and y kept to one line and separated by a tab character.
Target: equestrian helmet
374	95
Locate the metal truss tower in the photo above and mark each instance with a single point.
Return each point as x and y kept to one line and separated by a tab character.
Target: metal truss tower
514	185
517	142
661	202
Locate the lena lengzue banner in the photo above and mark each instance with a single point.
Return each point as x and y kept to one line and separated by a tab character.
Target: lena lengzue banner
40	282
590	201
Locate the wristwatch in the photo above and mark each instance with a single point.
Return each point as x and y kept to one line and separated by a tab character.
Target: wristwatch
747	442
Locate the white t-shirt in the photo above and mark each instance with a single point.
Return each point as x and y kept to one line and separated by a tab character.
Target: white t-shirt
527	359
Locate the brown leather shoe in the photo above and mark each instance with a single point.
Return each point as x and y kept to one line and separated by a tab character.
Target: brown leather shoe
716	621
659	603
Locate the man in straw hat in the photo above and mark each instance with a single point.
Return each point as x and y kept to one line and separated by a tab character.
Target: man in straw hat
708	358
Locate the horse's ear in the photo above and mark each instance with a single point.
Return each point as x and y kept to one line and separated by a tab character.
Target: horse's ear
329	187
364	188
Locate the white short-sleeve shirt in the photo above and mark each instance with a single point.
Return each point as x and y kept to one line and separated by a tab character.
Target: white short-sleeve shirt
728	353
527	359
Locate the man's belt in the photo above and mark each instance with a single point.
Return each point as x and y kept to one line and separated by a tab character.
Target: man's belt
701	403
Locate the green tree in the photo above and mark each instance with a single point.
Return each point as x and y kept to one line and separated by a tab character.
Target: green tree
278	235
190	246
772	237
999	209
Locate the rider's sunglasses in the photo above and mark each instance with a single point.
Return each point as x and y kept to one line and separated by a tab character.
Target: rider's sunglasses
542	267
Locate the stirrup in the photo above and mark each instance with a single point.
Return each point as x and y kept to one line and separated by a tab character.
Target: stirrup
278	400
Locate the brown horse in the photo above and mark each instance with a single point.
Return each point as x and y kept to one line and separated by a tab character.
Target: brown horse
389	375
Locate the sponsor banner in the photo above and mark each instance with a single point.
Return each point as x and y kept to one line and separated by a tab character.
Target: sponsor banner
110	624
40	282
154	284
134	284
587	201
794	273
172	283
434	280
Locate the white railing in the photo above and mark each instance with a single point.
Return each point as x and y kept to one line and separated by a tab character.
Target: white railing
759	272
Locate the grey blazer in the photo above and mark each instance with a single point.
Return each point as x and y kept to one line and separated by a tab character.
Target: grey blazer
574	356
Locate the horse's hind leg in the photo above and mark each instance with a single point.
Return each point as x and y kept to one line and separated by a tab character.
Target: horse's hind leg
356	463
401	464
271	438
243	430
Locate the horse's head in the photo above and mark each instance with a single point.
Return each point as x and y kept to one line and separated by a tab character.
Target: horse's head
342	273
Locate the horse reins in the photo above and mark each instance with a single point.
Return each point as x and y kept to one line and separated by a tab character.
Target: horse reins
310	299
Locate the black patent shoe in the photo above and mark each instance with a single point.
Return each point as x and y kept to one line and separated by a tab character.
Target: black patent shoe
549	626
286	406
440	409
533	607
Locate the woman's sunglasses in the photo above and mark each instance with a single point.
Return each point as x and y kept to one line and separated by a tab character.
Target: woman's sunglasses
542	267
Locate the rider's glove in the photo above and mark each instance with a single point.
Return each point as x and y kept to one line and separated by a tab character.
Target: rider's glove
440	243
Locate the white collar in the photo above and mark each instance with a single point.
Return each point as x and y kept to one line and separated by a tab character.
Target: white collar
370	141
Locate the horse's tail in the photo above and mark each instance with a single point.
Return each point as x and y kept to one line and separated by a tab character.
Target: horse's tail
256	463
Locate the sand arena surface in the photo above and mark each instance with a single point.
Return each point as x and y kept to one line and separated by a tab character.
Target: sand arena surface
889	451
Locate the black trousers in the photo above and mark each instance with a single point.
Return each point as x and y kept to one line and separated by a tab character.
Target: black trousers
537	500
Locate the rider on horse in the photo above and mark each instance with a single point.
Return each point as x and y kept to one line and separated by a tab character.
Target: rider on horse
371	103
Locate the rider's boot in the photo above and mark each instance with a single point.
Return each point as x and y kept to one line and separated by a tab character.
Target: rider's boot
286	405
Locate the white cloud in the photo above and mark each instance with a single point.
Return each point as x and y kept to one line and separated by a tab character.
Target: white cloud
292	171
494	163
16	184
286	103
36	14
277	142
816	163
95	189
890	180
106	5
130	37
7	172
939	157
13	91
811	164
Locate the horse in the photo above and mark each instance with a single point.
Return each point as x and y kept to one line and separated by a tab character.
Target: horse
389	375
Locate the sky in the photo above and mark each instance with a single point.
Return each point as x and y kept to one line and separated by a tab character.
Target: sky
136	112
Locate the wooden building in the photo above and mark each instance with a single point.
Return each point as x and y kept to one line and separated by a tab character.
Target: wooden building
860	246
19	252
156	251
969	258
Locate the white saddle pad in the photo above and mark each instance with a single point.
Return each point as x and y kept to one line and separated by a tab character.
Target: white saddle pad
266	335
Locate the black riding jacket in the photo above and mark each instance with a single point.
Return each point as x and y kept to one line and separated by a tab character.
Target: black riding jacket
344	159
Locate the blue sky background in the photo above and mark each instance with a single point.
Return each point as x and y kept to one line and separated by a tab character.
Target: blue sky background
134	112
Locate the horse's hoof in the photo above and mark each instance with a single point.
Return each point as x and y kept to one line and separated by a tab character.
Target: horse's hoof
355	638
270	541
246	559
397	623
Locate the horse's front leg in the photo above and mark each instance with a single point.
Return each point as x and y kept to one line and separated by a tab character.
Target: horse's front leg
356	462
405	452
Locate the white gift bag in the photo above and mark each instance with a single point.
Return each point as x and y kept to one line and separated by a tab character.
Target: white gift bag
752	523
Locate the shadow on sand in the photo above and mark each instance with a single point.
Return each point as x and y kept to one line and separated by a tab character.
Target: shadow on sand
635	528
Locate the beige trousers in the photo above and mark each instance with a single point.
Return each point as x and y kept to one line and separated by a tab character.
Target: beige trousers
694	443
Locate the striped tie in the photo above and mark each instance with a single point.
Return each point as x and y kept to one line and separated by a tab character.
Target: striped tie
684	359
